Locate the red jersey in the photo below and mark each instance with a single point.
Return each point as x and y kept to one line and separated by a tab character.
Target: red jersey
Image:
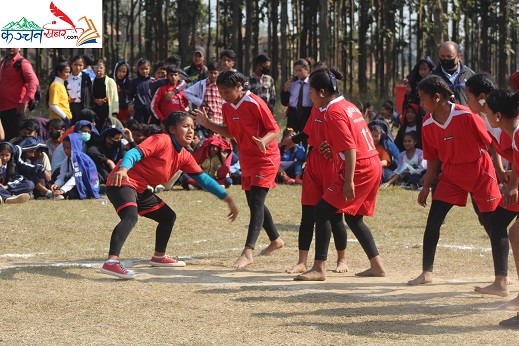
346	129
162	108
314	127
159	163
515	146
461	139
251	117
501	141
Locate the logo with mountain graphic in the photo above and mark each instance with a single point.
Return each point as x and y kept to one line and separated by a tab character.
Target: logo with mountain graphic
22	24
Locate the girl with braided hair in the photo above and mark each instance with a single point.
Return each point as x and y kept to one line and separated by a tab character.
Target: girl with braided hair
248	119
354	187
458	139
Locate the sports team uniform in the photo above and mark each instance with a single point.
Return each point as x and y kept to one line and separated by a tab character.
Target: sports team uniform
319	172
346	129
250	118
159	163
515	147
461	145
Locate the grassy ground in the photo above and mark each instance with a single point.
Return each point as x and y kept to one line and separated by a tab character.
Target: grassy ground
53	294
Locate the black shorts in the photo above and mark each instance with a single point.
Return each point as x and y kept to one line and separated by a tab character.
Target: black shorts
126	196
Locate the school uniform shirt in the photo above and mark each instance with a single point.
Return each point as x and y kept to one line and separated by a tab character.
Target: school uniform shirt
461	145
346	129
249	118
159	163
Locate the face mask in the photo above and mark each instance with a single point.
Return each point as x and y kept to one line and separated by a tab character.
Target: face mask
265	70
448	64
116	144
85	136
55	134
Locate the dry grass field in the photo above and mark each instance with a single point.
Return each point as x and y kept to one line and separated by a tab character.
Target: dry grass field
51	291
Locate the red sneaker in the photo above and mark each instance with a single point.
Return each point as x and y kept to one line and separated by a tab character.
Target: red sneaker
166	261
116	269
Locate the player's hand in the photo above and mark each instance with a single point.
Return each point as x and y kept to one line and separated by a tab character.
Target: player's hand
233	210
201	117
422	196
21	109
510	195
502	177
325	150
118	177
259	142
348	190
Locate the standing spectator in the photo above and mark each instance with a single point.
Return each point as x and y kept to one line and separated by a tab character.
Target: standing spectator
296	95
452	70
421	70
106	98
58	98
227	60
139	93
89	61
79	87
197	70
18	85
205	94
162	107
261	83
121	77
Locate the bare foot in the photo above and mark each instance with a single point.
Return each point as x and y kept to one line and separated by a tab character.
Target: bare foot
498	288
312	275
492	289
244	260
371	273
274	245
298	268
341	267
512	305
424	278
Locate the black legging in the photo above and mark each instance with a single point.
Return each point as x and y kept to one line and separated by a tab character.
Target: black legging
323	213
259	216
437	213
165	216
500	220
306	229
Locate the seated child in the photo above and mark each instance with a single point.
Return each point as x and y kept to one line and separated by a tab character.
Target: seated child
55	129
385	158
28	128
106	151
34	152
161	105
411	164
78	178
14	187
214	157
292	159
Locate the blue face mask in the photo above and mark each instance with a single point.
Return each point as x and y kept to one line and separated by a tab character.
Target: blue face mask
85	136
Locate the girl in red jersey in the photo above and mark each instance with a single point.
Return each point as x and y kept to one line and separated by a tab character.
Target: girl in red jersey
357	177
502	108
477	88
248	119
152	162
458	138
320	172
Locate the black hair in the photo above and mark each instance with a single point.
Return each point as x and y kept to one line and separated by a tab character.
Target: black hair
367	105
412	134
174	118
174	60
326	78
99	61
161	65
31	125
148	130
230	79
303	62
11	165
261	59
88	59
228	53
77	57
136	126
57	123
60	67
434	84
172	69
212	66
143	61
505	102
480	83
388	105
